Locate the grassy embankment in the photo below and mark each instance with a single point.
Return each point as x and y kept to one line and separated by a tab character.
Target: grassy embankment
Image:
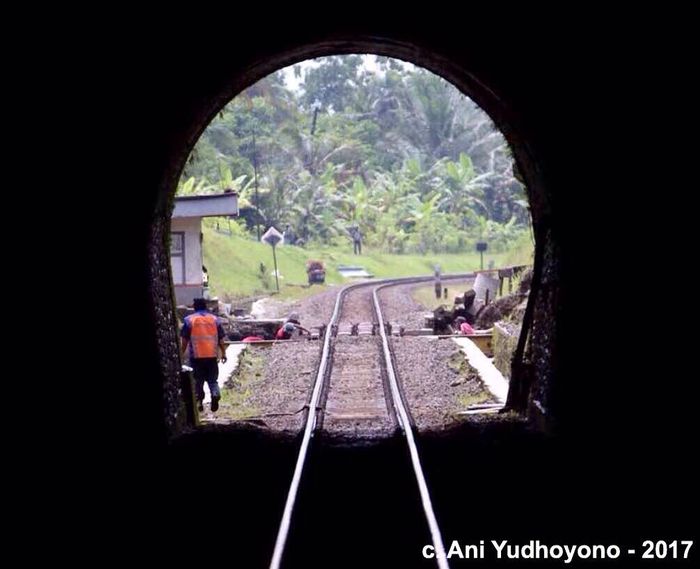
233	263
521	254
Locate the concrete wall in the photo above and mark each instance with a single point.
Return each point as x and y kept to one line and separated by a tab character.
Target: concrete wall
192	287
193	248
185	295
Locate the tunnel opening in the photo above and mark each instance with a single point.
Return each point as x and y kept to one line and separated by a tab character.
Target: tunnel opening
528	395
189	184
394	153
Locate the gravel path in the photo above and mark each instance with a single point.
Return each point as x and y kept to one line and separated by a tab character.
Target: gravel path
274	396
314	311
288	375
437	381
399	307
357	306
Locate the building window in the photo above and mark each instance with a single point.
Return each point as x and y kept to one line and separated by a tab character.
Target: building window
177	256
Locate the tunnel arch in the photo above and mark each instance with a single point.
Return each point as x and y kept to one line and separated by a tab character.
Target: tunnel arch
531	385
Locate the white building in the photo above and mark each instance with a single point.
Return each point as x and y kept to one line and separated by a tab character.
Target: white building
186	239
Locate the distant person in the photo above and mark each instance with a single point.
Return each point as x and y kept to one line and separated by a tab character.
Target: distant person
201	336
288	329
205	282
438	282
462	327
251	339
290	238
285	332
444	293
294	318
356	240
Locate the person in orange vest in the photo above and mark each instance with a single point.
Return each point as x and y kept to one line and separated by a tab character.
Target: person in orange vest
201	336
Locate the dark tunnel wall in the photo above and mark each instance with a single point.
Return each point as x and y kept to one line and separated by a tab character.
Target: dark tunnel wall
617	390
551	109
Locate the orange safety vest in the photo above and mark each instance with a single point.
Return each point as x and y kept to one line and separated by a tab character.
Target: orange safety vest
203	335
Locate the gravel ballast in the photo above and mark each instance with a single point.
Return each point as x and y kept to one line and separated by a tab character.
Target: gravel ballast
275	382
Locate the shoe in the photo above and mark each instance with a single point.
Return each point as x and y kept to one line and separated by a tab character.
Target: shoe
214	403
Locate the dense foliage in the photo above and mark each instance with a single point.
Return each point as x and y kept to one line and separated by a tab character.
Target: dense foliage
399	152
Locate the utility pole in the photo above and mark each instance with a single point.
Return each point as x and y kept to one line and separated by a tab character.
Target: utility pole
255	173
316	107
481	246
274	258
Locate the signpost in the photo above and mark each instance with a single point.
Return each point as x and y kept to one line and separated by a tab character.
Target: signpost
272	237
481	246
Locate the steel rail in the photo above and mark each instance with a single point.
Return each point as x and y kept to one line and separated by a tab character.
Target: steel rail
404	422
285	523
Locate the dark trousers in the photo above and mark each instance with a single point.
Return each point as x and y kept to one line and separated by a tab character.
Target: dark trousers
205	370
357	247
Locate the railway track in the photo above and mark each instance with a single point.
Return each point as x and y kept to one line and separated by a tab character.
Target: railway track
356	399
357	394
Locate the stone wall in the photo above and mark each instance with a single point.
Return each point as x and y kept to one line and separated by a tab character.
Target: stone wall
504	341
541	349
167	332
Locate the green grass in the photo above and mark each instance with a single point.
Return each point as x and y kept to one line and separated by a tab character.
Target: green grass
238	388
425	295
233	263
467	399
458	362
522	252
478	394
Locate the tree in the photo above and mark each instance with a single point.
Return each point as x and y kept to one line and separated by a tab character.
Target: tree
401	152
333	82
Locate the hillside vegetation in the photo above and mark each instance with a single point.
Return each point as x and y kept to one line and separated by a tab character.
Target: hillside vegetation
233	263
396	153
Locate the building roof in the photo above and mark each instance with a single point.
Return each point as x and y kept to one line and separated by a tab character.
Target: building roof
206	205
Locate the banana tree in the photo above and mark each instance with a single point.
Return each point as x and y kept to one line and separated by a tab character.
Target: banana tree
463	189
